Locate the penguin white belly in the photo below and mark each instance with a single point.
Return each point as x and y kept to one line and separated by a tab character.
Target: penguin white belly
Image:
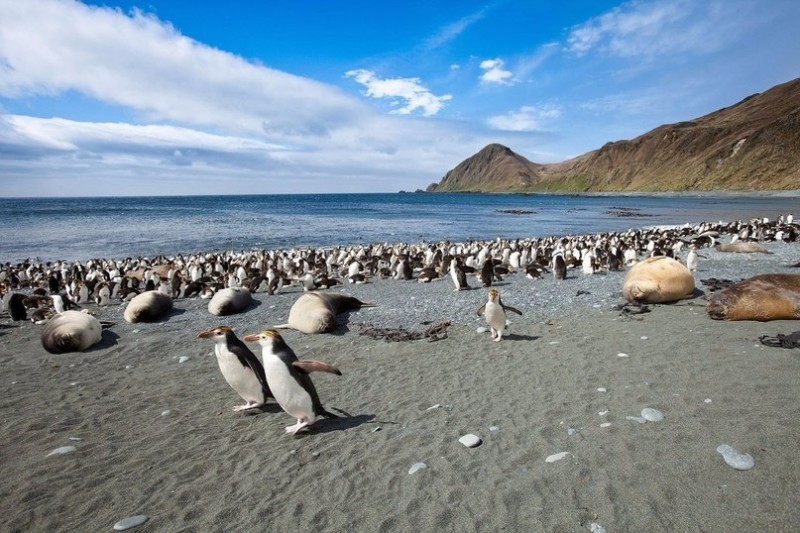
495	316
241	378
291	396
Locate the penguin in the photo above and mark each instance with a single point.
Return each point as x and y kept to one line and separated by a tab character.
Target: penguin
691	258
16	307
240	367
495	312
458	275
290	381
559	266
487	272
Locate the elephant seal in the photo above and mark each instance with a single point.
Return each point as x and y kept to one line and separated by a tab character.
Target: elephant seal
71	331
743	247
658	279
316	312
148	306
763	297
229	301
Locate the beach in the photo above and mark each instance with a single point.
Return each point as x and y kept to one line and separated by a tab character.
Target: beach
557	405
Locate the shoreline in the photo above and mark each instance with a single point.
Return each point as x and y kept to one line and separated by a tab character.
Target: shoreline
157	436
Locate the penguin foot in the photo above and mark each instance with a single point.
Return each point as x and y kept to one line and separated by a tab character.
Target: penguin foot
248	405
297	427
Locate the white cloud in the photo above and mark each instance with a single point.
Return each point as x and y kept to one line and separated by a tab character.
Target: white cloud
526	118
406	94
658	27
451	31
495	73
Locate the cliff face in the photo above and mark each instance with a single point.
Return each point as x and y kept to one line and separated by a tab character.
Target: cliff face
752	145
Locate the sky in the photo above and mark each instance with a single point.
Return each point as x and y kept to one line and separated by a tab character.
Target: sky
124	98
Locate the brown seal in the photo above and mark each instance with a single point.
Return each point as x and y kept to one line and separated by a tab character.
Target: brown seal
763	297
659	279
71	331
742	247
229	301
315	312
148	306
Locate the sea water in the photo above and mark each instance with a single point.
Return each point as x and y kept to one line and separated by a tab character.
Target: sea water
82	228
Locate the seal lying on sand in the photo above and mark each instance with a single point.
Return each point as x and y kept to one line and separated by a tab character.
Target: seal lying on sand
148	306
656	280
229	301
71	331
316	312
744	247
763	297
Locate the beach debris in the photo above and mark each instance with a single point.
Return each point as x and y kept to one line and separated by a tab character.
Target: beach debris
375	430
602	413
643	337
601	389
620	354
434	333
792	340
640	419
652	415
470	441
571	431
75	438
165	412
707	400
632	308
494	428
594	527
734	459
556	457
416	467
62	450
131	522
183	358
482	329
432	407
605	424
586	515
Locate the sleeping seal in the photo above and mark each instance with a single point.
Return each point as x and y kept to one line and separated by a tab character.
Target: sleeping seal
316	312
148	306
229	301
763	297
657	279
71	331
742	247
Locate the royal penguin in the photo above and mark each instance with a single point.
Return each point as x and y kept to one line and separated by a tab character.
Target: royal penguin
239	366
495	313
289	379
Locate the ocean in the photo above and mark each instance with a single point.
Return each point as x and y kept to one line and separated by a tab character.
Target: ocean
81	228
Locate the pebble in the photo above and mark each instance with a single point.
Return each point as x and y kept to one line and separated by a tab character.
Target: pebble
183	359
601	389
605	424
739	461
494	428
470	441
622	355
639	419
131	522
62	450
482	329
707	400
643	337
594	527
571	431
652	415
602	413
416	467
556	457
75	438
165	412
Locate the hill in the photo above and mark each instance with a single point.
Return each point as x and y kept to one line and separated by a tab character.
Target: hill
753	145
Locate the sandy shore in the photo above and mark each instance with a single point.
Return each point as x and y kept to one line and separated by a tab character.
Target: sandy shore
156	436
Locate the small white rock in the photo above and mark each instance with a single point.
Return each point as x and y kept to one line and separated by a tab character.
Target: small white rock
183	359
165	412
707	400
639	419
556	457
482	329
602	413
470	441
494	428
605	424
594	527
62	450
652	415
416	467
131	522
432	407
739	461
601	389
571	431
643	337
622	355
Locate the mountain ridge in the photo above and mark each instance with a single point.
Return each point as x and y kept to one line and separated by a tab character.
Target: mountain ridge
752	145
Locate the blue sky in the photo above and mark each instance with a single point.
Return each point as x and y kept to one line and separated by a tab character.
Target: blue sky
244	97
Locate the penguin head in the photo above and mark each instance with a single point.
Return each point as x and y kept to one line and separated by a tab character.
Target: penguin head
267	338
217	333
493	295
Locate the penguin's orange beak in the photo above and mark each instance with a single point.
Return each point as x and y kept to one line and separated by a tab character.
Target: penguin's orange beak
253	337
205	334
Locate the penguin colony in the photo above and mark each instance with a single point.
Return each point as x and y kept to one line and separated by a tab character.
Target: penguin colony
48	293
